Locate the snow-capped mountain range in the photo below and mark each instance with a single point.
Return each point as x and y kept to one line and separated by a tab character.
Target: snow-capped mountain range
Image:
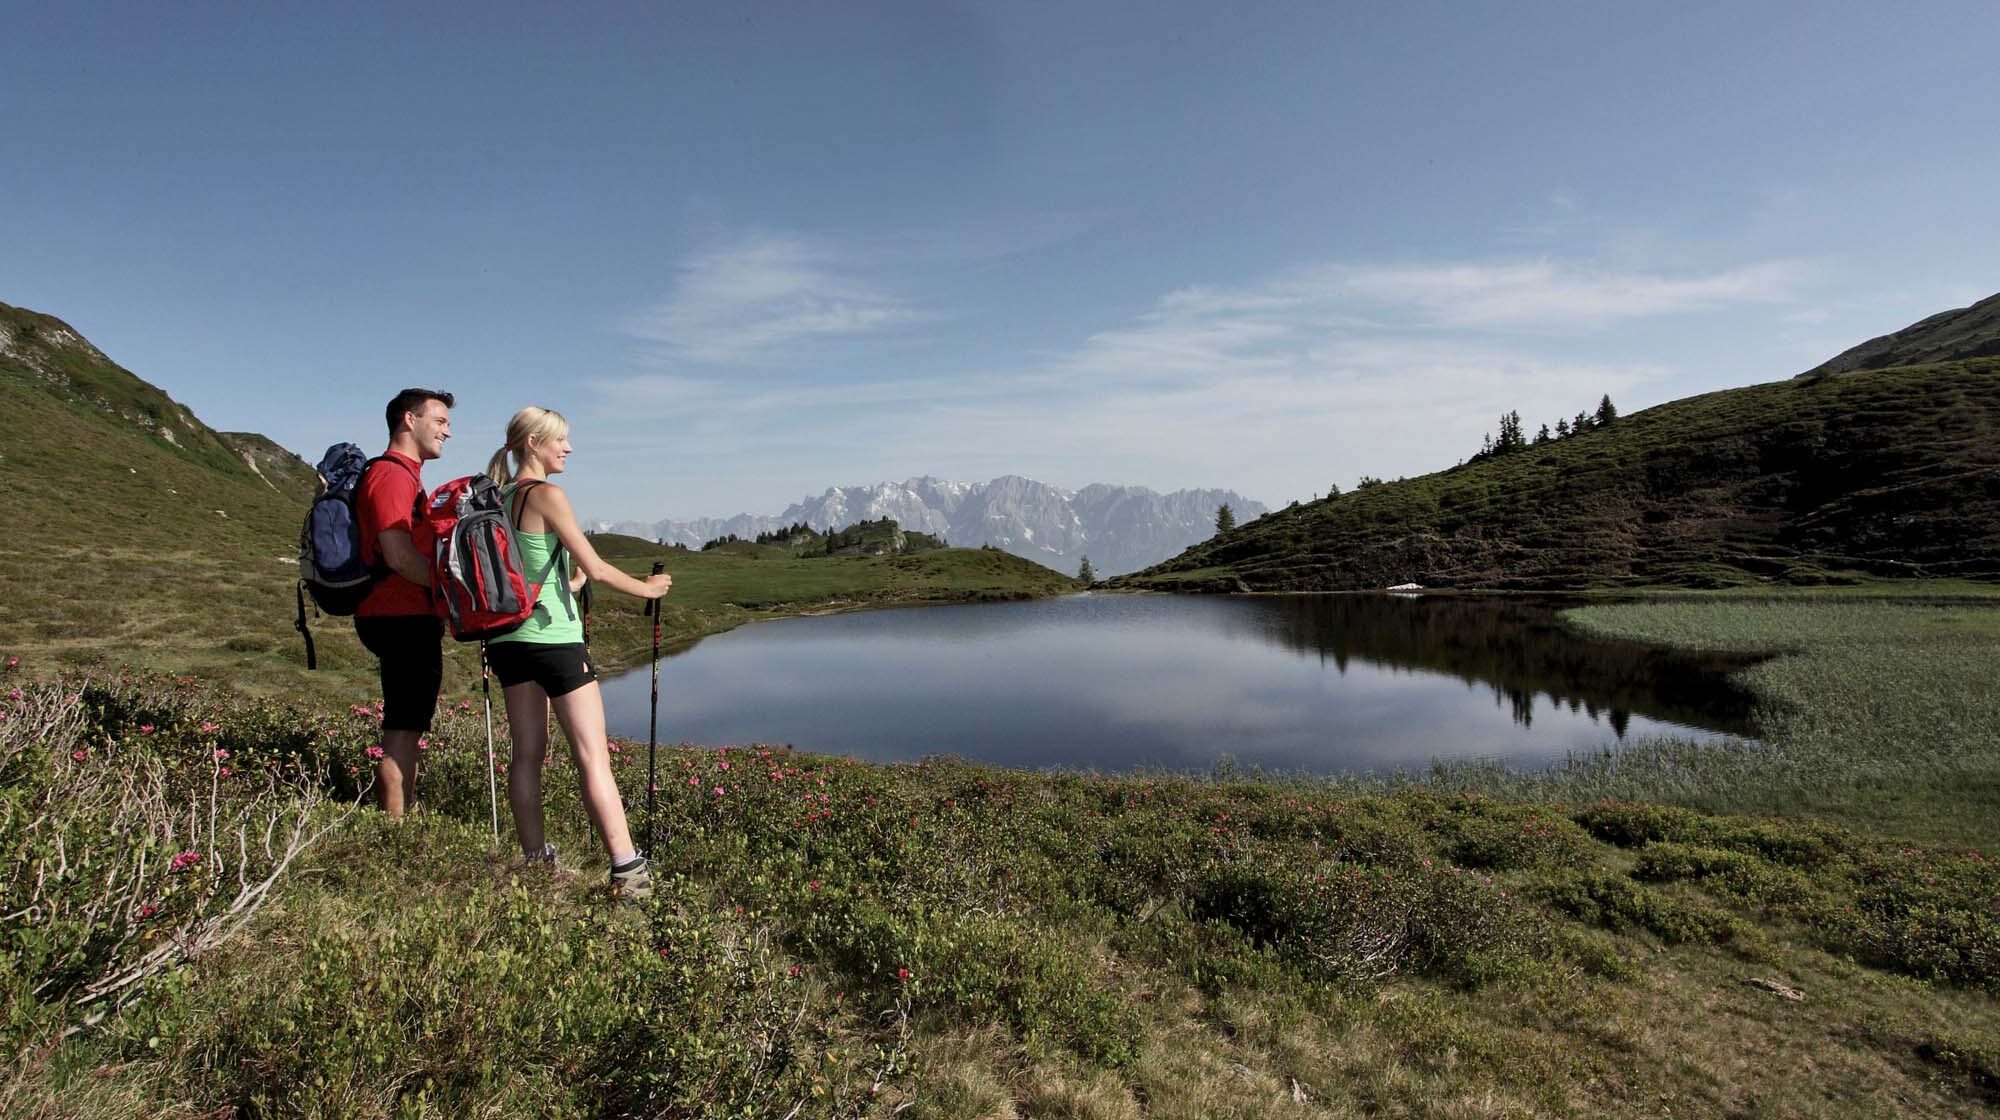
1121	528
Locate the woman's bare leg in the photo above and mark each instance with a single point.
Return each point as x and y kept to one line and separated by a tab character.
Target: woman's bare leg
581	714
528	726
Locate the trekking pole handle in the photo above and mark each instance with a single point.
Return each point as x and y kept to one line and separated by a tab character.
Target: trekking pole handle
653	605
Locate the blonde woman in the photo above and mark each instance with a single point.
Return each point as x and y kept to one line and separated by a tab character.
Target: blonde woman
545	664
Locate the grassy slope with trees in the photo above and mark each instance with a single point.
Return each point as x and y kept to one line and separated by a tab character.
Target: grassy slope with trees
1892	472
945	940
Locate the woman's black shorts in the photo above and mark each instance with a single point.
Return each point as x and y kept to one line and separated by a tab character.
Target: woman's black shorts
559	669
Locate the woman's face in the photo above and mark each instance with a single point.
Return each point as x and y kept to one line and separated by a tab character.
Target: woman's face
551	453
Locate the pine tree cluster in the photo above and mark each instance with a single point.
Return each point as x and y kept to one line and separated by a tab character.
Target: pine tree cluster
787	534
1513	436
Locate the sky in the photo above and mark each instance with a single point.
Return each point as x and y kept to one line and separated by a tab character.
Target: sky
754	250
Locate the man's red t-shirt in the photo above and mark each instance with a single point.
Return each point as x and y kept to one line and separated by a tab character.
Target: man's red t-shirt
388	498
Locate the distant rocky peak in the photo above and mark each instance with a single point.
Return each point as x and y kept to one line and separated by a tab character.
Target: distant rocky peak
1121	528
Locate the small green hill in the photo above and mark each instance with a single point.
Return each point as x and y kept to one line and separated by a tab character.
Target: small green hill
1967	332
133	527
1885	472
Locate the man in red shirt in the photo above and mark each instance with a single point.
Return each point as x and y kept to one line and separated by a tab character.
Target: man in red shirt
395	621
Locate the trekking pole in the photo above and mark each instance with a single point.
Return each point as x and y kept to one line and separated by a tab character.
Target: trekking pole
653	721
492	782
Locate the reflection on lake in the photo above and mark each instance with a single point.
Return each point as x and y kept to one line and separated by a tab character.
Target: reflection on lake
1115	682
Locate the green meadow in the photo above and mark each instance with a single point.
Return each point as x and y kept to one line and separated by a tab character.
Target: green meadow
1805	926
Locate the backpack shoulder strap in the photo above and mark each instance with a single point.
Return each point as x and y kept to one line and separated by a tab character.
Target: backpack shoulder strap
415	476
558	564
517	497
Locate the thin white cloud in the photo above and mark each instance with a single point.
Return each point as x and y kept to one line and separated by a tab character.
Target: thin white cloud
1313	317
757	299
1315	374
1546	294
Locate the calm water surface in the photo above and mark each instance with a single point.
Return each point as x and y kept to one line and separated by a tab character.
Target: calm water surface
1117	682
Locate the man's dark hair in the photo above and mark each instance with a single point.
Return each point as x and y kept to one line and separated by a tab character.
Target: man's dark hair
410	400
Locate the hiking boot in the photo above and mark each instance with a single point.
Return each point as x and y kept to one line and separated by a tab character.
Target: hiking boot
632	880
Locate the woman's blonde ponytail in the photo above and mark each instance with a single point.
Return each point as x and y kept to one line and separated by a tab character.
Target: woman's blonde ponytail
531	422
496	468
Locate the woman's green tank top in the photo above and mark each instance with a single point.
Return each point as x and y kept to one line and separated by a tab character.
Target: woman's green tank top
557	619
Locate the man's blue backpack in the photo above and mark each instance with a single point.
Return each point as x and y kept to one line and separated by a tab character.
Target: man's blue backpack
331	569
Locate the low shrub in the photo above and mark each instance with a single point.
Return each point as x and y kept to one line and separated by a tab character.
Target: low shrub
468	996
1347	922
973	966
1617	903
1730	872
129	850
1483	833
1932	915
1804	844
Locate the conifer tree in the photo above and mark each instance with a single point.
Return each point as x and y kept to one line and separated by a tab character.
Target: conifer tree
1225	518
1085	572
1543	435
1606	411
1562	428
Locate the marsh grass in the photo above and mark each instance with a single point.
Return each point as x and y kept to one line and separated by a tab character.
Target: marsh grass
1873	711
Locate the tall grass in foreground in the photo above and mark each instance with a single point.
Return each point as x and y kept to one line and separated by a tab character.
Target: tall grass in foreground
943	940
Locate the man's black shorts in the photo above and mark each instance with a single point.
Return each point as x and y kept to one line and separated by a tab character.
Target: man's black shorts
410	648
559	669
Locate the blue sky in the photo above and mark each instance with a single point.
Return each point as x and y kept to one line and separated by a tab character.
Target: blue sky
754	250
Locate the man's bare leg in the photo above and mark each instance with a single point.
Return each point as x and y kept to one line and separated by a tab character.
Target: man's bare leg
396	772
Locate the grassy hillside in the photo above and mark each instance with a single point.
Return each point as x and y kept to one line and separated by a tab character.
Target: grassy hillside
133	528
139	536
1966	332
1884	472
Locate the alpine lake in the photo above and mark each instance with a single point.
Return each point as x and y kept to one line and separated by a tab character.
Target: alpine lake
1324	684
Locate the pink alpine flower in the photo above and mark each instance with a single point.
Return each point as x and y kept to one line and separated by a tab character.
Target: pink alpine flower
147	729
209	727
184	861
220	754
374	752
79	755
